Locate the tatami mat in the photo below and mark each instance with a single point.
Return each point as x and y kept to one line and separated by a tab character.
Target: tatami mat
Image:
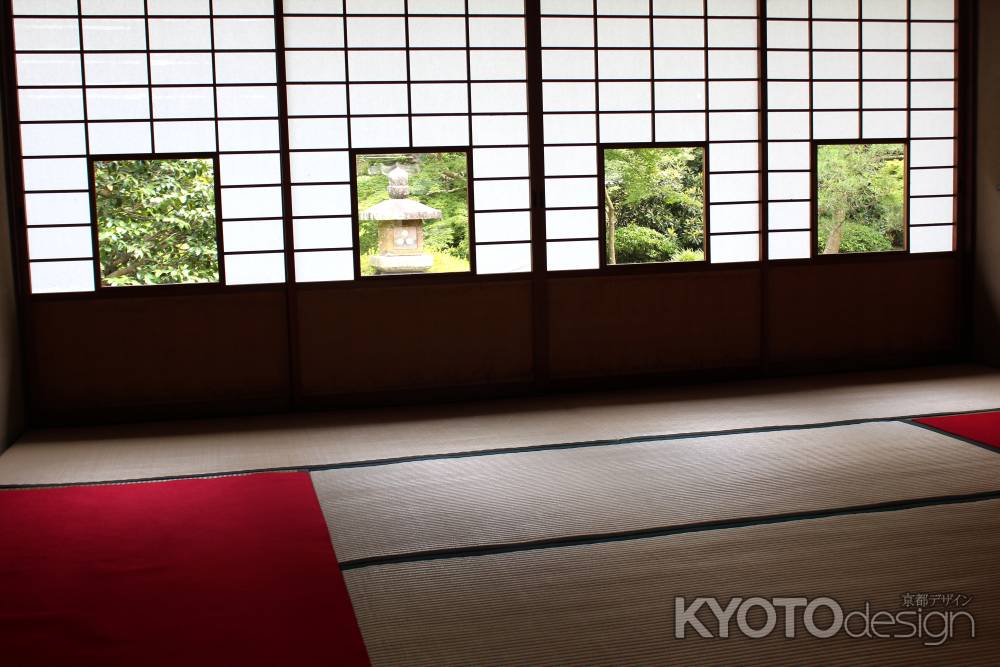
530	496
59	456
613	603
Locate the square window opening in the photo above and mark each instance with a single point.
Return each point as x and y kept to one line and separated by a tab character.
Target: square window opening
861	198
413	212
157	221
654	204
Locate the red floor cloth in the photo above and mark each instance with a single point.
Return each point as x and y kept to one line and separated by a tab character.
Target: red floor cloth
983	427
226	571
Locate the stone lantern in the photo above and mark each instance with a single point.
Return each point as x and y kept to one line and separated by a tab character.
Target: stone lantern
400	228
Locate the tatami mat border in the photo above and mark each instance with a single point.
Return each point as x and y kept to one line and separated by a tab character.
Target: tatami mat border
364	463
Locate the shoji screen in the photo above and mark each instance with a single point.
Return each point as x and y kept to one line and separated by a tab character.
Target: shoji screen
638	72
406	76
135	79
861	70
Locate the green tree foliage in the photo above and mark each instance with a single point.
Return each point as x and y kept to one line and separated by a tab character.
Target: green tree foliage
860	198
156	221
439	180
654	204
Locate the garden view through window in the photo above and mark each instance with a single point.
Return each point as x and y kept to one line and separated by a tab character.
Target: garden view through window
860	200
654	204
413	211
156	221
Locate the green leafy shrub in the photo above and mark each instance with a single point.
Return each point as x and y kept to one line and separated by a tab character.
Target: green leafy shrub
862	238
156	221
635	245
688	255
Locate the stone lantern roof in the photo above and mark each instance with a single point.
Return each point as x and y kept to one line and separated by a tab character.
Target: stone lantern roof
399	206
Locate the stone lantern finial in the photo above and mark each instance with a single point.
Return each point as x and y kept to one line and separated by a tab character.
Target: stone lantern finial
399	183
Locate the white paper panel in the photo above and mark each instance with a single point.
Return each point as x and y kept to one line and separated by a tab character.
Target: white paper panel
932	182
49	277
436	65
932	123
679	64
320	167
322	233
932	94
440	130
788	125
55	174
493	130
788	95
558	32
570	160
317	100
117	103
729	33
239	33
255	269
564	96
788	215
787	8
504	226
119	138
245	68
883	124
567	64
788	245
932	36
572	255
732	64
315	66
437	31
733	188
788	155
499	98
371	132
48	34
793	185
835	125
834	35
496	32
883	9
495	195
494	65
53	139
438	98
48	7
735	126
248	135
932	65
624	96
183	102
503	258
729	218
623	32
877	65
733	157
114	34
623	64
732	95
680	127
884	95
835	9
119	69
262	202
178	68
836	65
252	235
932	153
376	32
787	34
184	137
883	35
321	200
932	239
57	208
735	248
48	69
932	210
678	7
835	95
679	95
313	32
180	34
626	128
306	133
579	224
674	33
500	162
932	10
50	104
250	169
312	267
378	99
247	101
788	64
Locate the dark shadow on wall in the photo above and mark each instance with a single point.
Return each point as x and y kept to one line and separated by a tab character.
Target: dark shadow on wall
987	271
11	383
